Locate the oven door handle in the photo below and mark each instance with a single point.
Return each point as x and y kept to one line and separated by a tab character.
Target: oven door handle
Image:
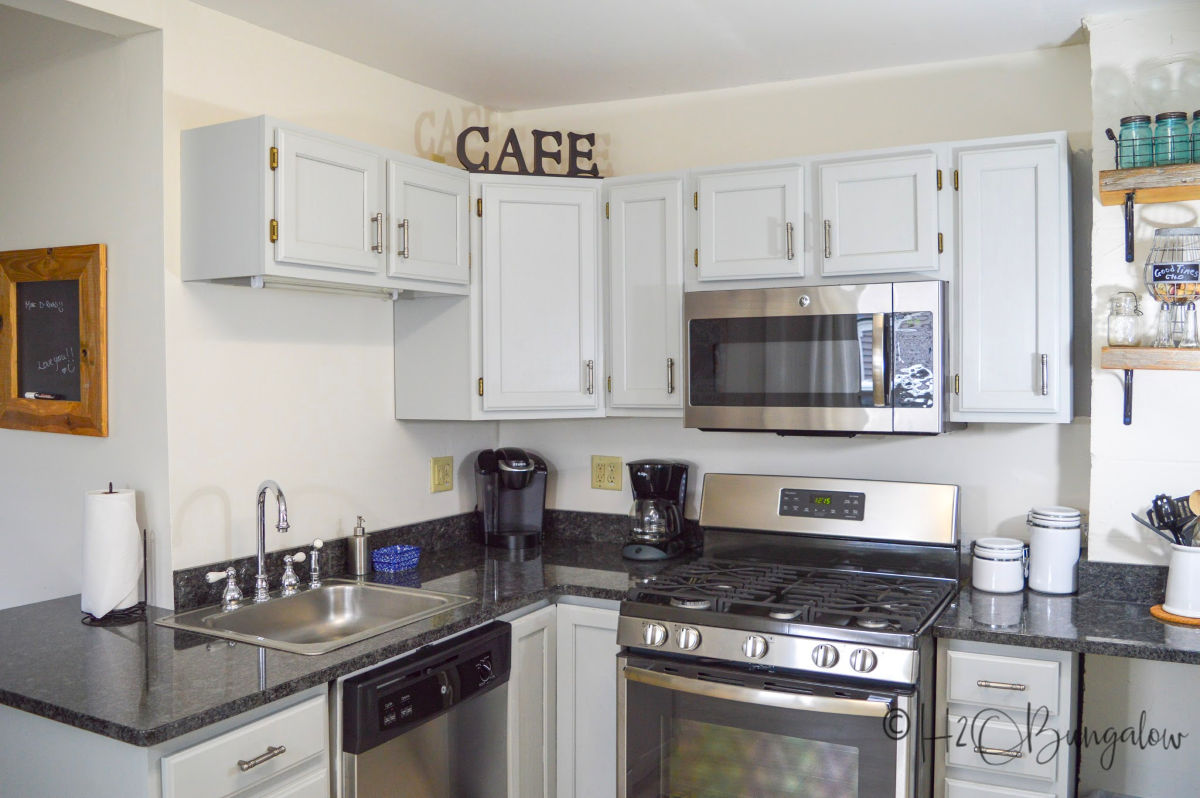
748	695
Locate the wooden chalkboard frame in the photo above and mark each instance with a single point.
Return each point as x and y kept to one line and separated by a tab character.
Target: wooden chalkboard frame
88	265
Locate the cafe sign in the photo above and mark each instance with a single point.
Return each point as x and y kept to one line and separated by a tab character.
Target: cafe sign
575	158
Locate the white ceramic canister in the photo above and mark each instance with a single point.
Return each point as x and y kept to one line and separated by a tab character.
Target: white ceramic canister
1054	539
999	565
1183	582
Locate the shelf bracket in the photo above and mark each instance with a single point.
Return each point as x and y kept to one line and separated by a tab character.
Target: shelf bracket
1129	227
1128	417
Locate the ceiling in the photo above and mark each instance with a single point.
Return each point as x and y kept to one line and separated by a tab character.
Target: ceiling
539	53
30	40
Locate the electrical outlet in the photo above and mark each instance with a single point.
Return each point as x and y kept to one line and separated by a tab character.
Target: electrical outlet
441	474
606	472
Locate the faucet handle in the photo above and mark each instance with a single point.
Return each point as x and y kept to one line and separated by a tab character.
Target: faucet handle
314	567
212	577
291	582
231	598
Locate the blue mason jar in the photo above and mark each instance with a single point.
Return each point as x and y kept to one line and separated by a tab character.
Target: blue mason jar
1195	136
1172	143
1135	146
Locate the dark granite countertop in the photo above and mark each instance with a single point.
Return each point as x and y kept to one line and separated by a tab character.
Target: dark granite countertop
1110	615
145	684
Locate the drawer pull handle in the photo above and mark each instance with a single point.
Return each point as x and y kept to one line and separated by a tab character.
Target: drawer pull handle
271	752
998	752
1020	688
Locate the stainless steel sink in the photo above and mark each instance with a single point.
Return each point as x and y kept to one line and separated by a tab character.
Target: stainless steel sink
317	621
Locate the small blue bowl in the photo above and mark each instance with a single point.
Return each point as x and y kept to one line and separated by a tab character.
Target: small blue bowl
391	559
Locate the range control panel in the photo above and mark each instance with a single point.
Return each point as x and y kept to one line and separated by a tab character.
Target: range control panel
822	504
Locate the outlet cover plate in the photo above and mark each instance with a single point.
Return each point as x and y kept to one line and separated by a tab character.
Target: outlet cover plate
606	472
441	474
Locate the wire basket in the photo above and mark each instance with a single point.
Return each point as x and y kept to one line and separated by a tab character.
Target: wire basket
392	559
1172	271
1139	153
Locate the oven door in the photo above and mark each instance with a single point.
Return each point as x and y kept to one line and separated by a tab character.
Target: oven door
709	732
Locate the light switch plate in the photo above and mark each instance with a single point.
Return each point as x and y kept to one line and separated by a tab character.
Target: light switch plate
606	472
441	474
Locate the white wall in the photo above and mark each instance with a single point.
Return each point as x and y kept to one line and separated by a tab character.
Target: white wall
1003	469
81	163
289	385
1141	63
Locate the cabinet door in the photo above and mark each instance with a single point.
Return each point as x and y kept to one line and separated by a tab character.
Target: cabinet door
428	218
751	224
1014	285
540	302
645	250
879	216
531	706
329	203
587	702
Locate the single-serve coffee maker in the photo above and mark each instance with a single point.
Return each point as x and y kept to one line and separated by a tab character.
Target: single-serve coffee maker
510	494
656	528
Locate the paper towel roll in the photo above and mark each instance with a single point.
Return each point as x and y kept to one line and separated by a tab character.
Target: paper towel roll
112	551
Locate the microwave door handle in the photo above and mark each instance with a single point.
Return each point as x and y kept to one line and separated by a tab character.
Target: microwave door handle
748	695
878	372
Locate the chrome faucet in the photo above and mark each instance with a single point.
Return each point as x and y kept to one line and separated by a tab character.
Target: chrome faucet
262	587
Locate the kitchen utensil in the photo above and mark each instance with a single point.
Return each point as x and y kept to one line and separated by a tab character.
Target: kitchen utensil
1164	535
999	565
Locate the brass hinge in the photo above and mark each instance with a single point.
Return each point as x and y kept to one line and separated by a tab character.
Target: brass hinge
956	385
696	200
941	243
956	180
610	383
939	179
274	231
606	216
480	386
274	158
479	212
696	258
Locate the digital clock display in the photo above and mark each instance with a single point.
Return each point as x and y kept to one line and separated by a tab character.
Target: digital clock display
834	505
822	500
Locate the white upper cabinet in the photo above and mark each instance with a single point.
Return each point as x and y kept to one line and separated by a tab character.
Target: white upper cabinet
430	235
329	203
1014	281
540	295
878	216
751	223
645	260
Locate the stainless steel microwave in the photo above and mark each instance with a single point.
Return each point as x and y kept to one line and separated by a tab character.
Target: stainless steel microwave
829	359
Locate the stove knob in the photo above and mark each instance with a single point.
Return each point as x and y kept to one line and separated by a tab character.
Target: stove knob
825	656
863	660
484	669
687	638
654	634
755	647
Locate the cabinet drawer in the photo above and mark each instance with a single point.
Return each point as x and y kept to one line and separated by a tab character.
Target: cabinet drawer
984	742
970	789
1002	682
211	768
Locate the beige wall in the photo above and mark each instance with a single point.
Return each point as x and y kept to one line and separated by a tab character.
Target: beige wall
81	163
289	385
1003	469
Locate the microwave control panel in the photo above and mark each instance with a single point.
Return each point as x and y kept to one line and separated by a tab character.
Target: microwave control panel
822	504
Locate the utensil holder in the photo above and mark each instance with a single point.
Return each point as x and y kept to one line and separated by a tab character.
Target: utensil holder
1183	582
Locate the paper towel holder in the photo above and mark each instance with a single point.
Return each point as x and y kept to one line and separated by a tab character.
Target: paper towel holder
128	615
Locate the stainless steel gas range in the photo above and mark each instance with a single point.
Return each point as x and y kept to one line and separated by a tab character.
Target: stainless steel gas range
794	657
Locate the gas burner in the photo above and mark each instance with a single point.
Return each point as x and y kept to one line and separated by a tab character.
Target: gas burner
873	623
691	603
785	614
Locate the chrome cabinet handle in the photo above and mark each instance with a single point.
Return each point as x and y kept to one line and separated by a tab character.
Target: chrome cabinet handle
271	752
590	371
1001	685
1045	374
828	239
879	390
670	375
378	245
791	252
404	228
979	749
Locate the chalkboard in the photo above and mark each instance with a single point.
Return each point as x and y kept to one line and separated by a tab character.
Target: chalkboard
1176	273
48	339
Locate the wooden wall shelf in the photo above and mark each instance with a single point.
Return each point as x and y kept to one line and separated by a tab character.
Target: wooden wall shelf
1129	358
1151	184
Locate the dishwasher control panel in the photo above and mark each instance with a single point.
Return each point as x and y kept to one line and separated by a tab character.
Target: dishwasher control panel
383	703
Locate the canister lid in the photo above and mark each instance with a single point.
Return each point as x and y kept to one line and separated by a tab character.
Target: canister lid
1168	115
1000	546
1055	513
1125	120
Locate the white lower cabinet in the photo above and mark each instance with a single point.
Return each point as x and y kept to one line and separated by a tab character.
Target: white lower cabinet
587	702
282	755
1004	719
532	696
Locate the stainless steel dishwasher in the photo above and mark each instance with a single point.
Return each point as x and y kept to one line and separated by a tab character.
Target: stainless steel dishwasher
430	725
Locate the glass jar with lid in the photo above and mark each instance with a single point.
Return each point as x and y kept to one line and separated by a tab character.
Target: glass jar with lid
1135	145
1123	315
1172	141
1195	136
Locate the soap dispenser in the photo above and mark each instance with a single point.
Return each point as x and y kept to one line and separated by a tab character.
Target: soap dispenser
359	554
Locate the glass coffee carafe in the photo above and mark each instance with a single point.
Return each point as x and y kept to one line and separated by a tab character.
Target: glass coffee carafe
654	520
